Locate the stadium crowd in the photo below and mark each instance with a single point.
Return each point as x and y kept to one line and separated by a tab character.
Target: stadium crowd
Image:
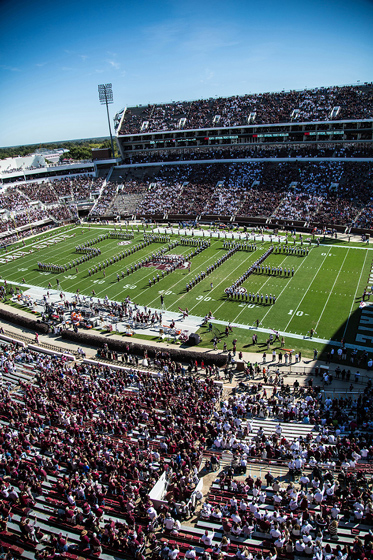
354	102
332	193
256	152
31	202
82	444
326	192
101	438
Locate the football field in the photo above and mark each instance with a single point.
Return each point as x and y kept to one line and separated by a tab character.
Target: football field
323	293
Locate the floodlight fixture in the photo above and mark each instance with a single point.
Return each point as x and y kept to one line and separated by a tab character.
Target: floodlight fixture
105	96
105	93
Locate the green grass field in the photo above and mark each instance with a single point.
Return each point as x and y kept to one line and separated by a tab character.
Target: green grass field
324	293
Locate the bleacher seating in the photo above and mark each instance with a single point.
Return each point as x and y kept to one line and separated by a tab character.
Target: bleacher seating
321	104
227	189
66	451
73	451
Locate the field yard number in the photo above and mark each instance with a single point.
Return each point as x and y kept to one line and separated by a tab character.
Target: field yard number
129	287
248	305
298	313
201	298
165	293
98	282
326	255
70	276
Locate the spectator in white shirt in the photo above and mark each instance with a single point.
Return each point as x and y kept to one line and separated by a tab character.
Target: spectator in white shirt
174	552
191	553
299	546
152	513
169	522
207	539
319	496
275	532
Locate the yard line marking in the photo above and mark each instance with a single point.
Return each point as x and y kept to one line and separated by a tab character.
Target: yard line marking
224	280
268	279
353	301
284	288
305	293
213	258
331	291
135	257
145	277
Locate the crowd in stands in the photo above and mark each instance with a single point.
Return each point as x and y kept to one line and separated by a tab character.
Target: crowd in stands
116	193
23	218
17	200
262	151
82	445
106	196
355	102
334	495
42	192
13	200
90	442
334	193
326	192
365	218
78	188
60	213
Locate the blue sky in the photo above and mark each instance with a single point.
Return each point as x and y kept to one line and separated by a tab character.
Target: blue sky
54	54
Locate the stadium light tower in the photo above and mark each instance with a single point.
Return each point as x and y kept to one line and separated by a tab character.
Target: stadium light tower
105	95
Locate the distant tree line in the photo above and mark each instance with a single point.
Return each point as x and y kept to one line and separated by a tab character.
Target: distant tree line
78	149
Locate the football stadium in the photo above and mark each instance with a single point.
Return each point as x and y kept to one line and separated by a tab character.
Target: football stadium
187	335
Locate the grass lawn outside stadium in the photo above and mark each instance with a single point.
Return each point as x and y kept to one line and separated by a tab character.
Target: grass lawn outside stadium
324	294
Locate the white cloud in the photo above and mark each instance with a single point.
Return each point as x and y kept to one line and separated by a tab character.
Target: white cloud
114	64
9	68
165	33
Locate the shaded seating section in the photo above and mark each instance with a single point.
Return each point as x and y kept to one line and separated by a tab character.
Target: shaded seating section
21	203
